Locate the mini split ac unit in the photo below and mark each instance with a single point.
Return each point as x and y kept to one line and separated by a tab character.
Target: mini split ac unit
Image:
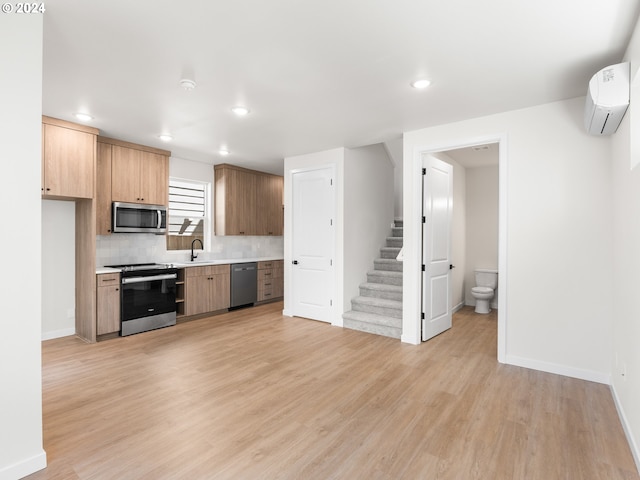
607	99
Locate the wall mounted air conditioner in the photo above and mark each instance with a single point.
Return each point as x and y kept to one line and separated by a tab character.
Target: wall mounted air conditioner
607	99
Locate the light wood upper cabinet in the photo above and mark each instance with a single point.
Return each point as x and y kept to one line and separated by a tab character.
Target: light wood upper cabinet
269	213
103	189
127	172
138	176
154	178
68	159
247	202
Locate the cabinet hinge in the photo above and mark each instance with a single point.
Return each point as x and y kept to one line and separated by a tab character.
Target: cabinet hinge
424	268
424	219
424	171
331	181
331	303
422	316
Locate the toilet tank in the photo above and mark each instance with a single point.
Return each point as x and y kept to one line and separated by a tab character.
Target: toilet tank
486	278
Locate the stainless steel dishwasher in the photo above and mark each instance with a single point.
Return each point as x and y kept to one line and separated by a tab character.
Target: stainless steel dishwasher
244	284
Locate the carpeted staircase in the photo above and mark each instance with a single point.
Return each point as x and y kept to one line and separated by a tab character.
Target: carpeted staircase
378	308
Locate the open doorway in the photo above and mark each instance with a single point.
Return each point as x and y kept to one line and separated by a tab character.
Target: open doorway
475	219
413	197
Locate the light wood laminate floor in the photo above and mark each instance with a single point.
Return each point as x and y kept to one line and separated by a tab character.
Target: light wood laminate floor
255	395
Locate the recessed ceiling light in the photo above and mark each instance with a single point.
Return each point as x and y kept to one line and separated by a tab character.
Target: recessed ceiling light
165	138
419	84
85	117
240	110
187	84
224	152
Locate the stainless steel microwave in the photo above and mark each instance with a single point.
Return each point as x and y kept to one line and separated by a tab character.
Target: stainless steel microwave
138	218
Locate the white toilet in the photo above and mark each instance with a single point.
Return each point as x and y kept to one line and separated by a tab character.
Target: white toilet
483	292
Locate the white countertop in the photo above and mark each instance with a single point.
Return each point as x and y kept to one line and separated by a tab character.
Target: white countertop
200	263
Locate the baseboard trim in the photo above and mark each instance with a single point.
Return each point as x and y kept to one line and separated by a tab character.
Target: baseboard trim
25	467
589	375
65	332
625	426
460	306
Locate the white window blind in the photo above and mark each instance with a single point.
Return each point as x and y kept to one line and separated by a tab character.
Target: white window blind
187	212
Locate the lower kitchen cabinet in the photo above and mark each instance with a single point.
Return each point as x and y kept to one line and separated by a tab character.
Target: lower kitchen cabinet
207	289
270	280
108	303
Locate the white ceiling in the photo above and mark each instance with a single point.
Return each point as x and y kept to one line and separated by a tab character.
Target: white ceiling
315	74
477	156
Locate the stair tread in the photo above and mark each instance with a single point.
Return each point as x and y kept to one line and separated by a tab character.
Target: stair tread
381	286
385	273
378	302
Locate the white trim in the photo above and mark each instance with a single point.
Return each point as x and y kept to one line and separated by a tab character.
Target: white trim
589	375
633	445
65	332
287	313
25	467
457	307
411	277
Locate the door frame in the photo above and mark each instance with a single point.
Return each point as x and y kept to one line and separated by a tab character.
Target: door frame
289	240
412	292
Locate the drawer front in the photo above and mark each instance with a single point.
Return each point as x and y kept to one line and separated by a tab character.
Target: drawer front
207	270
107	279
271	264
265	275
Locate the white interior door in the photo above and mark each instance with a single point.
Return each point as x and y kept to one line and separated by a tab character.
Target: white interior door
436	246
313	243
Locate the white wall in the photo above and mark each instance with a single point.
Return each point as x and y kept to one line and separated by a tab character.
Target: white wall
625	354
394	150
559	245
482	226
458	230
334	158
368	213
21	451
58	268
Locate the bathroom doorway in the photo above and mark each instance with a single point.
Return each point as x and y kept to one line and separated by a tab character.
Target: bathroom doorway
475	228
496	149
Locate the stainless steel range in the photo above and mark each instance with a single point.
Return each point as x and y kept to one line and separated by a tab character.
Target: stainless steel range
148	297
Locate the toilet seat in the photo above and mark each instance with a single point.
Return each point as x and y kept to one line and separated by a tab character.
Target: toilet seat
482	290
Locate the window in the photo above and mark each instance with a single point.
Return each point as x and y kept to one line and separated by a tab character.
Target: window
187	213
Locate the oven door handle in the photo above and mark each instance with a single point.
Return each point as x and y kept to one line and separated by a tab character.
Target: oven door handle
151	278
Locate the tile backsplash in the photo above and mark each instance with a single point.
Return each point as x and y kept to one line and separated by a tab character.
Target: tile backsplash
126	248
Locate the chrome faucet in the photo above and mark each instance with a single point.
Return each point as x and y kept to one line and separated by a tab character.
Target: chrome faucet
194	256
